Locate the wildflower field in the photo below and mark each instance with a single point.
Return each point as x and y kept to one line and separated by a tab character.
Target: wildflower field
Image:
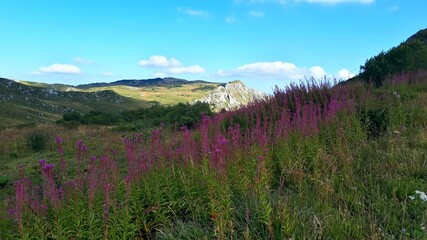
313	161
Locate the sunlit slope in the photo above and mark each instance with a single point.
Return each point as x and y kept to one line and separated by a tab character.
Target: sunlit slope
23	104
167	95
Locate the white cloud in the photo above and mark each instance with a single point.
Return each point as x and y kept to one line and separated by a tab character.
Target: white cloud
345	74
256	14
83	61
275	70
159	61
60	68
192	12
195	69
271	69
107	74
318	72
172	66
265	70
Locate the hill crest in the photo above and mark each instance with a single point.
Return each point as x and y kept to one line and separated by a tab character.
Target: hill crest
169	81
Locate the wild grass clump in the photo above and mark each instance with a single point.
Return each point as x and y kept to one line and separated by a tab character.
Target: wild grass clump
37	141
305	163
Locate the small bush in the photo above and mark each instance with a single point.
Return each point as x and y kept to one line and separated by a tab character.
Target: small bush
100	118
73	116
37	141
377	120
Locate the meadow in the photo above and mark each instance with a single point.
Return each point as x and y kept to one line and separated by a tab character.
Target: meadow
167	95
316	160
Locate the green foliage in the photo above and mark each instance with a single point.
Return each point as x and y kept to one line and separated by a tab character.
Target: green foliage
407	57
356	178
204	88
71	120
100	118
5	181
376	120
186	114
37	141
181	114
73	116
148	118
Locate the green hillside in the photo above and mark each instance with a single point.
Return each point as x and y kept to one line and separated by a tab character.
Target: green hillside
409	56
23	104
166	91
310	162
164	94
420	36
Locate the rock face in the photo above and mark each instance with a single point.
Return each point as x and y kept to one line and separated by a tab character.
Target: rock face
231	96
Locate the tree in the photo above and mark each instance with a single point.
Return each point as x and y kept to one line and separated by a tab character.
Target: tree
408	56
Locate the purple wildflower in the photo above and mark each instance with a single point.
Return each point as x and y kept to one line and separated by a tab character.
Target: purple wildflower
42	162
49	186
61	156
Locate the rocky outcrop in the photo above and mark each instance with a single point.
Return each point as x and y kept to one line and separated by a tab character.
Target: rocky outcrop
231	96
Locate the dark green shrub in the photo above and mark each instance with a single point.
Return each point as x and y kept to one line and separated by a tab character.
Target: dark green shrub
100	118
37	141
186	114
156	115
376	120
73	116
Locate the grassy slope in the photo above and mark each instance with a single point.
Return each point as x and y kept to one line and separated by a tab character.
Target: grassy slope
168	95
57	87
162	94
32	103
23	104
341	184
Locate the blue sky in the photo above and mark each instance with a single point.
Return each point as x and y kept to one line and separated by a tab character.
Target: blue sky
261	42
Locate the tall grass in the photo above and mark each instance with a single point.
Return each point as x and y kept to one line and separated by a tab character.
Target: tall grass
311	161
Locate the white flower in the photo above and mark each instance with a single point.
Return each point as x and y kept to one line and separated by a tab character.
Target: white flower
411	197
422	195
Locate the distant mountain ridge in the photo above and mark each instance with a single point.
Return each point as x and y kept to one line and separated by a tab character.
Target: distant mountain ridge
24	102
142	83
